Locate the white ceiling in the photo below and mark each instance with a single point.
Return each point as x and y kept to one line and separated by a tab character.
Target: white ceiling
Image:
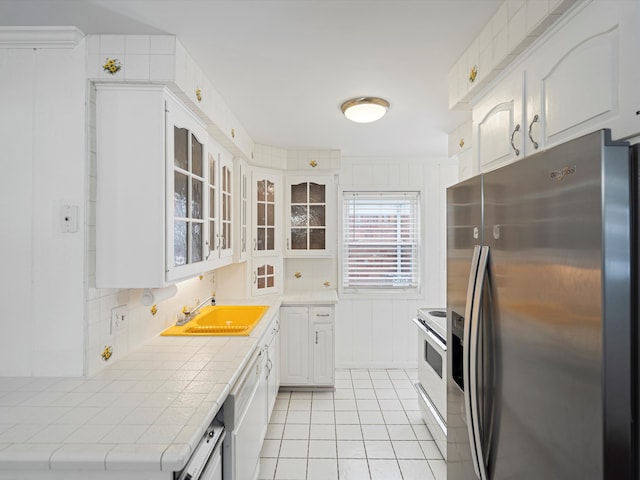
285	66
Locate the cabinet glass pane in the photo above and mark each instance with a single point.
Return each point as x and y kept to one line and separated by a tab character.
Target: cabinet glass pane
317	216
196	242
181	148
271	189
196	199
270	282
179	243
317	239
271	215
212	203
270	270
261	220
212	235
298	238
299	193
261	282
262	270
212	170
225	207
261	238
299	216
271	234
197	155
181	194
316	193
260	191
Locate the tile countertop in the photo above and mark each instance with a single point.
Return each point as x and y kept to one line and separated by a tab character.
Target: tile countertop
317	297
145	413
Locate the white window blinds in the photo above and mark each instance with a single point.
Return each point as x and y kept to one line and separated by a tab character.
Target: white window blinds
381	241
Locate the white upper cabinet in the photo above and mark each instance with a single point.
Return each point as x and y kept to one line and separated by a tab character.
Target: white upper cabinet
186	152
497	124
581	77
219	243
585	76
158	189
310	215
242	178
266	212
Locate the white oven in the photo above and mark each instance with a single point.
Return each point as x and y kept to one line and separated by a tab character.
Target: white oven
432	372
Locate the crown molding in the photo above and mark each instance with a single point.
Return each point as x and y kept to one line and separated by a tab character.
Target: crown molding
40	37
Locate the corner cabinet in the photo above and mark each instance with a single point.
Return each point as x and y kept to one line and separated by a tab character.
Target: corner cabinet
158	218
307	356
266	252
310	226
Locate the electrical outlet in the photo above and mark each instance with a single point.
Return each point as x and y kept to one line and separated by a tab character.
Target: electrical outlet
118	318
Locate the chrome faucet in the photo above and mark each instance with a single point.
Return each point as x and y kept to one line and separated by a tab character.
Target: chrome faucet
191	313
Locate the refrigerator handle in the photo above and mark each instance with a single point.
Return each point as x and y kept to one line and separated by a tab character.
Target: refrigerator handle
473	367
467	360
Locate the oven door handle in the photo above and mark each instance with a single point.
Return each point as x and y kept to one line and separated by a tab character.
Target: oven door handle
435	339
432	336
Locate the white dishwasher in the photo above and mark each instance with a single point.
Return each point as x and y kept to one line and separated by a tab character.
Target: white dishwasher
244	416
206	461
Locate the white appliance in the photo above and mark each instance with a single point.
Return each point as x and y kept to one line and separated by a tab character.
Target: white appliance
206	461
432	372
244	418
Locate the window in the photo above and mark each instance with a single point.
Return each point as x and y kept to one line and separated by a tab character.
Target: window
381	242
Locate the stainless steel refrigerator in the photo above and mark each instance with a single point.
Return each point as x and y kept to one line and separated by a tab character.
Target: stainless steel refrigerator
541	313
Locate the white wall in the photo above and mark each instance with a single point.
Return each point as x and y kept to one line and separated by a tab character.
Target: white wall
378	332
42	140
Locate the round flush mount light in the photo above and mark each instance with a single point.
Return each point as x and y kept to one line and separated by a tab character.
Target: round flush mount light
364	109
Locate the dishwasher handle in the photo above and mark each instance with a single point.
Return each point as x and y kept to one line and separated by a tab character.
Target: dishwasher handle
212	438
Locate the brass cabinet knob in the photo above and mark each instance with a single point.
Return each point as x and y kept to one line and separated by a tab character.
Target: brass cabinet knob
199	94
473	74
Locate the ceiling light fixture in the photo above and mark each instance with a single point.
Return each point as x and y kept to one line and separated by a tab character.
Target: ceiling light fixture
364	109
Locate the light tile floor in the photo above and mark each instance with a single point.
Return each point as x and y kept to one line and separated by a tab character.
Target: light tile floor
370	428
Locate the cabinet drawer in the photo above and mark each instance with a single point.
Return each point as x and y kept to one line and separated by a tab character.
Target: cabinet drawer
321	314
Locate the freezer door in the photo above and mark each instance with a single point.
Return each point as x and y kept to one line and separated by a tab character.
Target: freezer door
464	232
558	228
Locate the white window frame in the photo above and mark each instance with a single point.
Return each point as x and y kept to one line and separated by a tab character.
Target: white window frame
406	292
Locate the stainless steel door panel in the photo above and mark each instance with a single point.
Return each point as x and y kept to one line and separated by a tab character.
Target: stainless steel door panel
464	231
544	226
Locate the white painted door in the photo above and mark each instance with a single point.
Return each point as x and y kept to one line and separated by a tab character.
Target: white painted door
323	354
294	346
266	213
498	125
585	76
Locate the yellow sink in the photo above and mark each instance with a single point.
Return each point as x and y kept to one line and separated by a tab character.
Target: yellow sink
222	320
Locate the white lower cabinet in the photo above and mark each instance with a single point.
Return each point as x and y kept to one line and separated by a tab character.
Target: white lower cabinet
270	380
307	346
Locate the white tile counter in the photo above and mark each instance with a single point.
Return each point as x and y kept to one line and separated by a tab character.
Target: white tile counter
145	413
315	297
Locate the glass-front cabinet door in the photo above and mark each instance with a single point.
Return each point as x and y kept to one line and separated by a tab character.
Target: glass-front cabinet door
266	213
266	275
226	206
188	206
310	226
242	179
219	211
